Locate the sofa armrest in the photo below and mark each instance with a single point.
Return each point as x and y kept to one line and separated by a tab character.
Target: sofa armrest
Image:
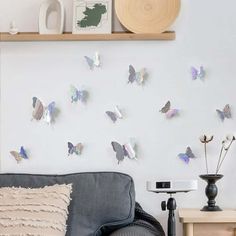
133	231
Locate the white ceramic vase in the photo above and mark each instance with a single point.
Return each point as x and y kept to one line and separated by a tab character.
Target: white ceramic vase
48	7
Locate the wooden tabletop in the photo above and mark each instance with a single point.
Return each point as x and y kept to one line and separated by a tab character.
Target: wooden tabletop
197	216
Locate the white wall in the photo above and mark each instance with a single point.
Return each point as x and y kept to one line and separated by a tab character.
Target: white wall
206	34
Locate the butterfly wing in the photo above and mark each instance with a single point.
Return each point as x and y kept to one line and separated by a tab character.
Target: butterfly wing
118	112
97	61
171	113
201	73
194	73
90	62
221	114
227	111
38	109
34	101
129	151
120	153
166	108
189	153
23	153
140	76
17	156
132	74
112	116
184	157
74	94
50	112
71	148
82	95
78	149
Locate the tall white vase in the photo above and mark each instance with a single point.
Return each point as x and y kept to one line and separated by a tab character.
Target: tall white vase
47	7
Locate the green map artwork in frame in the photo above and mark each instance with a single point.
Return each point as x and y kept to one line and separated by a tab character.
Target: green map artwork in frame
92	17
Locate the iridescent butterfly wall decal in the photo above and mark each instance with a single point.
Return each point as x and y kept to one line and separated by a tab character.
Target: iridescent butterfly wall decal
93	62
47	113
139	76
198	73
187	155
226	113
19	156
77	149
115	115
126	150
168	111
78	95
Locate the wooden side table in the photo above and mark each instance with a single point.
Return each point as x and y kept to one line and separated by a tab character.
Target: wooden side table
198	223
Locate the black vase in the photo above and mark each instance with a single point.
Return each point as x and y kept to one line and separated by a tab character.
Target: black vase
211	191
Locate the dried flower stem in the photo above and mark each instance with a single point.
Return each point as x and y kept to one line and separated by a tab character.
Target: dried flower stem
219	159
205	150
222	160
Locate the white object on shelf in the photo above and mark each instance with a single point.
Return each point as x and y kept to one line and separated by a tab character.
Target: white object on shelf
172	186
48	7
13	29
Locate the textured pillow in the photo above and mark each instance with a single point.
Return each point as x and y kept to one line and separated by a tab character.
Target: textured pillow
34	212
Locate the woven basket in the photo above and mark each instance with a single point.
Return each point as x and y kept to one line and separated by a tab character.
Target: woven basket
147	16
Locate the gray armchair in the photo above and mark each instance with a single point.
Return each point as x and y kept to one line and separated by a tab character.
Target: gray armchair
102	203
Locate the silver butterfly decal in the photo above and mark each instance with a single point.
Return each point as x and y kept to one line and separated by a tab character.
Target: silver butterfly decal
114	115
225	113
139	76
78	95
48	113
93	62
77	149
126	150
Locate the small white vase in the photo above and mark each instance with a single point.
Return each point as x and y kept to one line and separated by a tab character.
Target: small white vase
13	29
46	8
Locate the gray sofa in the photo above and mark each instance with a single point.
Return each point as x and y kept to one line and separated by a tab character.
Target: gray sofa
102	203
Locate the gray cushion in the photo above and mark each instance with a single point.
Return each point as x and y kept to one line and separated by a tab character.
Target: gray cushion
132	231
98	199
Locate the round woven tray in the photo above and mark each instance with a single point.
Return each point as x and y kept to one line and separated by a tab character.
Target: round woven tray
147	16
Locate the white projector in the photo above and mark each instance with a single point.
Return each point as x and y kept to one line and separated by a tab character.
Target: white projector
172	186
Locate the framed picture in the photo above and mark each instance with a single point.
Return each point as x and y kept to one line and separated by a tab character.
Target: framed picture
92	17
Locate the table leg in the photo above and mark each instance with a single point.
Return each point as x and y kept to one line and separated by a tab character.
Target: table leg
188	229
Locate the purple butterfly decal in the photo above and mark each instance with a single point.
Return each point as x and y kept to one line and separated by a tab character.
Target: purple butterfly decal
187	155
198	74
168	111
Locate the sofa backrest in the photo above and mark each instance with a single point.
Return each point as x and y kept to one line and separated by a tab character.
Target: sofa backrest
99	200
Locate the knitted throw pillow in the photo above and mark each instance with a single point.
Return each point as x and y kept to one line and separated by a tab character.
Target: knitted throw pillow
34	212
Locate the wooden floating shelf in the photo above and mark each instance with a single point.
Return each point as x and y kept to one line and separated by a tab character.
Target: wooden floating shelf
6	37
